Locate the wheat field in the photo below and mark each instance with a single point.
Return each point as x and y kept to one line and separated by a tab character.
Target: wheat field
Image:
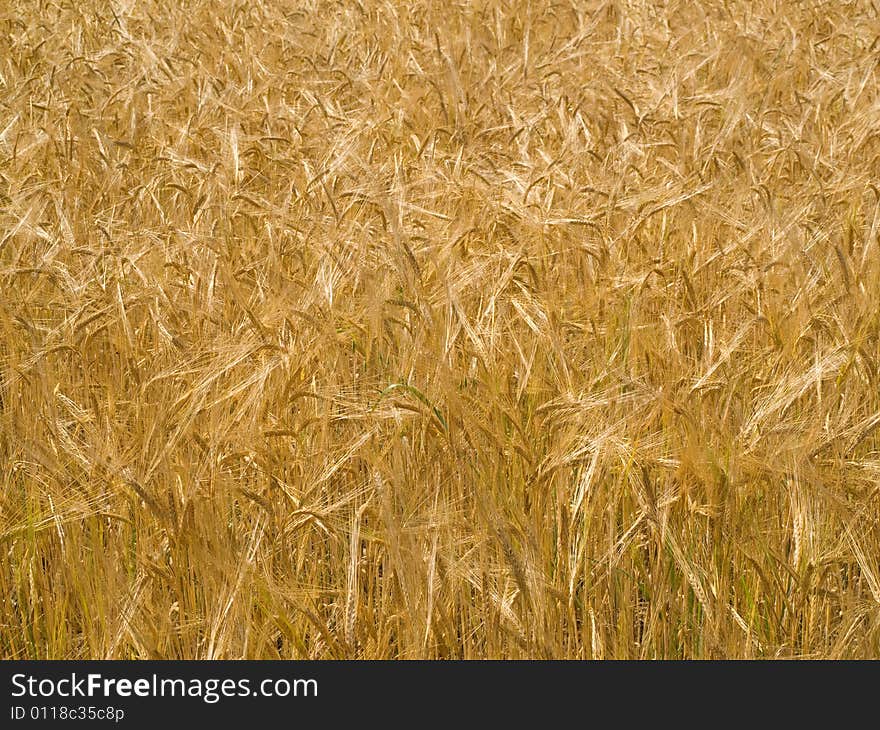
397	330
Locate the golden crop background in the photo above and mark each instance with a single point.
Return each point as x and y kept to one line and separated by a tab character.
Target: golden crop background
445	330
